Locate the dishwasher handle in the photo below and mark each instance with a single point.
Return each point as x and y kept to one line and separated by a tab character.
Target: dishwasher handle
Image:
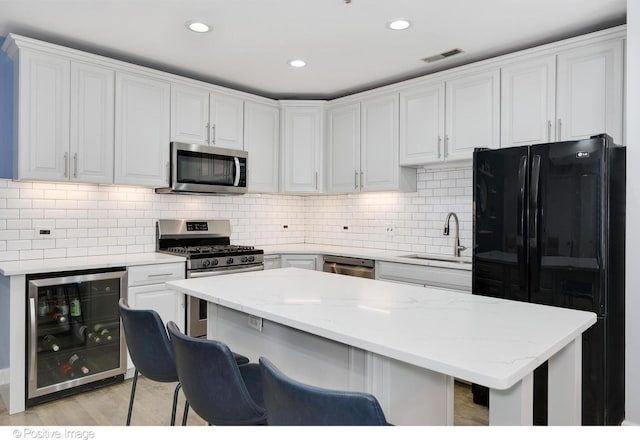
346	269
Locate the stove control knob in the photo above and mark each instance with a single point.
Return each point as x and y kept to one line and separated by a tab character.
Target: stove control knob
251	258
244	259
206	263
229	260
214	262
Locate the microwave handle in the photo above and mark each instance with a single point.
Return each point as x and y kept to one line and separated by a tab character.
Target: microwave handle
236	181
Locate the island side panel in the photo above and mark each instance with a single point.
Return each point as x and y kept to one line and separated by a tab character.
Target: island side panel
409	395
13	292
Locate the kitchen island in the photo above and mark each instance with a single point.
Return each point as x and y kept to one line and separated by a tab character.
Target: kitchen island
403	344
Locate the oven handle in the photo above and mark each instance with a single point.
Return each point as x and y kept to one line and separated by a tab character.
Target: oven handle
212	273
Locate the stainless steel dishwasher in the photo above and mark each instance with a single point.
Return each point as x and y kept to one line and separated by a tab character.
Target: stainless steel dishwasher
355	267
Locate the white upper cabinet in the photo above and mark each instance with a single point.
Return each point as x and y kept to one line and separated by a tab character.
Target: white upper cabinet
472	114
227	124
422	124
43	116
379	152
528	101
443	121
362	147
343	148
142	130
190	115
92	123
65	120
590	91
262	144
199	116
302	146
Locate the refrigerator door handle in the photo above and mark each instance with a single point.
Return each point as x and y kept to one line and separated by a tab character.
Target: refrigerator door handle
522	209
534	245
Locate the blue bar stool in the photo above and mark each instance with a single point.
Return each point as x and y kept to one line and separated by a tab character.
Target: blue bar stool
216	387
292	403
151	352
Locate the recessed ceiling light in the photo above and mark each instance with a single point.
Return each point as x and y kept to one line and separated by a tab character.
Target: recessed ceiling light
399	25
196	26
297	63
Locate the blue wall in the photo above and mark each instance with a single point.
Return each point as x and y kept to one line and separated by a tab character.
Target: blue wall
6	115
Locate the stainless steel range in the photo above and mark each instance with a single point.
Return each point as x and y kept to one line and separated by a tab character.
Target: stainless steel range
207	246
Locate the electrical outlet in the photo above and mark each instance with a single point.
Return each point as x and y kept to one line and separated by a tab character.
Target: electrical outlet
255	322
390	230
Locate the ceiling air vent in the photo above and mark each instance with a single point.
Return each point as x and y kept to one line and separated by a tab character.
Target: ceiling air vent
442	56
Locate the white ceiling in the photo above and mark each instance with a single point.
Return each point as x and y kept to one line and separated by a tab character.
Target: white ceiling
347	45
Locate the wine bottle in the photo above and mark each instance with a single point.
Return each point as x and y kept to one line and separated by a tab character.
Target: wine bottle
67	371
93	337
61	301
43	307
50	342
78	365
103	332
74	304
81	332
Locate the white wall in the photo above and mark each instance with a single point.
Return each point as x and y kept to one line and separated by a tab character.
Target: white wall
633	216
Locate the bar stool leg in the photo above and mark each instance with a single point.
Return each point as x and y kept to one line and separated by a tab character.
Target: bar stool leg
133	394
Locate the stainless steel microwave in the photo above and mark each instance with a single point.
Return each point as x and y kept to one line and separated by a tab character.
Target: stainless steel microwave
199	169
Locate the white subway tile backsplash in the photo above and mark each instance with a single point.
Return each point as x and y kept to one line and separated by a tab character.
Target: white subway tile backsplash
89	220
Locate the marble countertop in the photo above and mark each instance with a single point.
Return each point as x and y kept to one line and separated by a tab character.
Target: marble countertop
26	267
463	263
489	341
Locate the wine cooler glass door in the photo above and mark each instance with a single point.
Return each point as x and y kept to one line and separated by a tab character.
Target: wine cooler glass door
75	334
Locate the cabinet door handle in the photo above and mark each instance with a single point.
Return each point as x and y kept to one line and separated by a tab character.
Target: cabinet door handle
213	134
549	131
75	164
316	180
355	180
361	179
439	142
159	275
66	164
208	133
559	130
446	145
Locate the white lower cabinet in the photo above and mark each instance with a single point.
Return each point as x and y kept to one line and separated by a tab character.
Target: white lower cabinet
147	290
426	276
302	261
272	262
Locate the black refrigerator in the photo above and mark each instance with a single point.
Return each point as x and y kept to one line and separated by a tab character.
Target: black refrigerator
549	228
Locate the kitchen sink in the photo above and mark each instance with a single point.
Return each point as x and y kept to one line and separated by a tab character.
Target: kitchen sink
437	258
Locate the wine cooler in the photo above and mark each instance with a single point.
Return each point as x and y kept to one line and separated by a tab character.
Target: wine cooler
75	339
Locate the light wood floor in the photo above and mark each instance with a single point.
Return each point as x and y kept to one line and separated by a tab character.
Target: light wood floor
108	406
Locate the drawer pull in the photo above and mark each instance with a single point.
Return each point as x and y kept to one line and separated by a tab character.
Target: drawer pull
159	275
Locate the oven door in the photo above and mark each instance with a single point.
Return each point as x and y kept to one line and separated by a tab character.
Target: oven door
197	308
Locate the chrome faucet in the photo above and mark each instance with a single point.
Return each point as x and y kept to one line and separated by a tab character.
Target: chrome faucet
456	244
